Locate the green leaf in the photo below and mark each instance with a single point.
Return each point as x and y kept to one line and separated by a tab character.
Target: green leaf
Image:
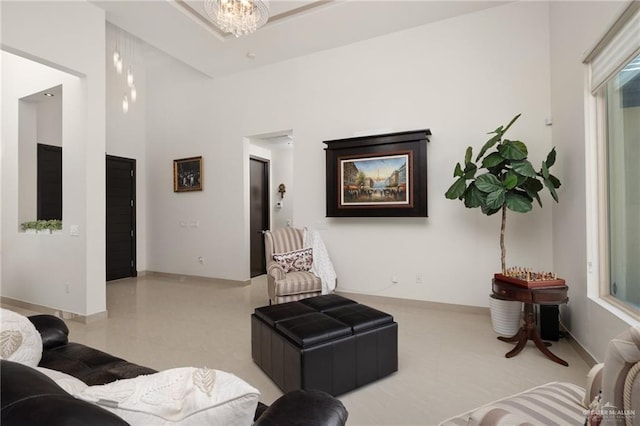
497	131
531	184
510	180
467	155
536	196
495	199
545	170
458	171
488	183
555	181
524	168
513	150
513	120
552	190
489	211
518	203
491	142
473	197
492	160
457	189
551	158
470	171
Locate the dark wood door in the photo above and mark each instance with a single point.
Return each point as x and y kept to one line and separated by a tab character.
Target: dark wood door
49	182
121	218
259	213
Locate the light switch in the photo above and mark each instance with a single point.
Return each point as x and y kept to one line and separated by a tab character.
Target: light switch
74	230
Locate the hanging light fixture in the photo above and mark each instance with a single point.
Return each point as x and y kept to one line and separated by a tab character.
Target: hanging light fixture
124	61
116	56
119	65
125	104
129	77
238	17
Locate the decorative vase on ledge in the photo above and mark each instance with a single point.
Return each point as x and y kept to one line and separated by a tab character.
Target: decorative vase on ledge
506	316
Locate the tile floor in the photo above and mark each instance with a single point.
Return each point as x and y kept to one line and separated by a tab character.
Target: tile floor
449	361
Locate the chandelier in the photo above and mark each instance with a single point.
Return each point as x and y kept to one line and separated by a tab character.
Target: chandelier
119	62
238	17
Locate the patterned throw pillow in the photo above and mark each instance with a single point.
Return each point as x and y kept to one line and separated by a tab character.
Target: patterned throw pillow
294	261
19	339
184	396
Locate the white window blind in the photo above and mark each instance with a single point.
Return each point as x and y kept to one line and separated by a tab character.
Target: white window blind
617	47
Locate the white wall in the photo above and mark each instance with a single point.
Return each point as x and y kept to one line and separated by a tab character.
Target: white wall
461	77
575	28
177	127
127	133
68	36
27	161
49	121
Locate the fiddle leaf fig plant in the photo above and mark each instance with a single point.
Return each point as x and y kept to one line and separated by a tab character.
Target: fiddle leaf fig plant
501	177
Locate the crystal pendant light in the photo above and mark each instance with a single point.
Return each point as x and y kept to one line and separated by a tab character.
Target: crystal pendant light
129	77
125	104
134	93
238	17
116	57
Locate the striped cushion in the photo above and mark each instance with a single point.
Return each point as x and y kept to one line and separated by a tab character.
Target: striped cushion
296	297
298	282
286	239
555	403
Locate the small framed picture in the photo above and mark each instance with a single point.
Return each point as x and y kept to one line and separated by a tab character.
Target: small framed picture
187	174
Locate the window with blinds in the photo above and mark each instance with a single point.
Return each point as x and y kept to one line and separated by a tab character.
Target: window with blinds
614	83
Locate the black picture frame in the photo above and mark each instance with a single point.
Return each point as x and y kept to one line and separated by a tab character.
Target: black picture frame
377	176
187	174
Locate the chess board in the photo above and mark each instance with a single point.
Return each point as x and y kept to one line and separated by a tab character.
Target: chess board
530	284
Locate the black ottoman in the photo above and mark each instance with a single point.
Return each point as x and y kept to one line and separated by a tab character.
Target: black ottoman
376	337
329	343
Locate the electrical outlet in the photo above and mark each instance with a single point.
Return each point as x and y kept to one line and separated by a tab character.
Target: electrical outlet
419	279
394	279
67	289
201	260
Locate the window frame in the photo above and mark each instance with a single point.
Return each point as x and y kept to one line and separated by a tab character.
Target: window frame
597	176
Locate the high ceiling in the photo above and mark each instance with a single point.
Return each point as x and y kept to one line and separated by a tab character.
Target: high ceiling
181	28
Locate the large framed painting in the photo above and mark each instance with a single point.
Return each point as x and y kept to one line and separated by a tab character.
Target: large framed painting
187	174
378	176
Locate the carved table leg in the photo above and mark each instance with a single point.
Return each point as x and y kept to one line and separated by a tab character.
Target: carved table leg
543	348
528	332
516	337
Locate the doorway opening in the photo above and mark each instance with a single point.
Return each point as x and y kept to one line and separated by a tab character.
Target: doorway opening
121	218
271	165
259	213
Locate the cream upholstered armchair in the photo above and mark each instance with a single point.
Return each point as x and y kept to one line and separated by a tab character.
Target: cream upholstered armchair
611	396
288	264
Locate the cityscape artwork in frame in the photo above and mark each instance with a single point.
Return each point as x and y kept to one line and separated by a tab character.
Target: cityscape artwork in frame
378	176
376	180
187	174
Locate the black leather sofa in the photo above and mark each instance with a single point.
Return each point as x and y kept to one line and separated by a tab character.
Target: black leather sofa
29	397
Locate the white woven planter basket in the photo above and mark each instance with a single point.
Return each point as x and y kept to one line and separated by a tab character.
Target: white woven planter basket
506	316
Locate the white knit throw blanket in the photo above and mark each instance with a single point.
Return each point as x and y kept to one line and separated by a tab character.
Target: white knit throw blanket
322	265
